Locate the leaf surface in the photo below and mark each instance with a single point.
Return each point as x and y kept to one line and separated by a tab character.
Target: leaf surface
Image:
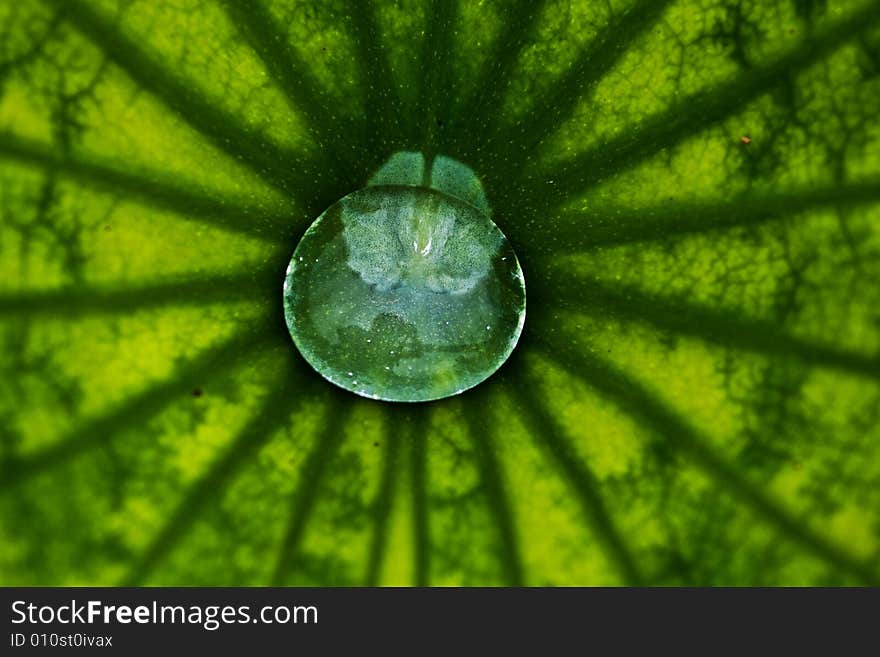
692	187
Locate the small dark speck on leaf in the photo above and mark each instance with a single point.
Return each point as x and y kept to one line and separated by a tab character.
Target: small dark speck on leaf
745	140
375	444
197	392
439	123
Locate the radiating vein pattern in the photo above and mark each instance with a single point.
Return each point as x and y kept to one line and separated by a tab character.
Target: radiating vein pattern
303	501
277	164
135	410
707	107
692	188
156	190
250	438
627	392
729	328
543	427
493	485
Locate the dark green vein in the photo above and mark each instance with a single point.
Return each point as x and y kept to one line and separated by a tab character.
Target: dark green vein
267	38
478	427
306	494
383	121
635	399
594	62
698	111
80	300
277	409
729	328
284	168
478	112
139	408
418	426
383	504
436	80
596	228
157	190
544	429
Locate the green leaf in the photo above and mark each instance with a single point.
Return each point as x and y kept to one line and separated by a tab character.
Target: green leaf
693	191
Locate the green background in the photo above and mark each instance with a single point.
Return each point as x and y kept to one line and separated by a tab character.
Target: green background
695	396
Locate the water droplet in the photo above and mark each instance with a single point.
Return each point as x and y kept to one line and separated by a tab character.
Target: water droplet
393	260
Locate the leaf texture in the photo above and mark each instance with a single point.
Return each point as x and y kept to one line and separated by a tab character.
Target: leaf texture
693	190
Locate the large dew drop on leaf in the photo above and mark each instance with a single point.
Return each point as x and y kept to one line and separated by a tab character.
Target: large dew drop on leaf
406	290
